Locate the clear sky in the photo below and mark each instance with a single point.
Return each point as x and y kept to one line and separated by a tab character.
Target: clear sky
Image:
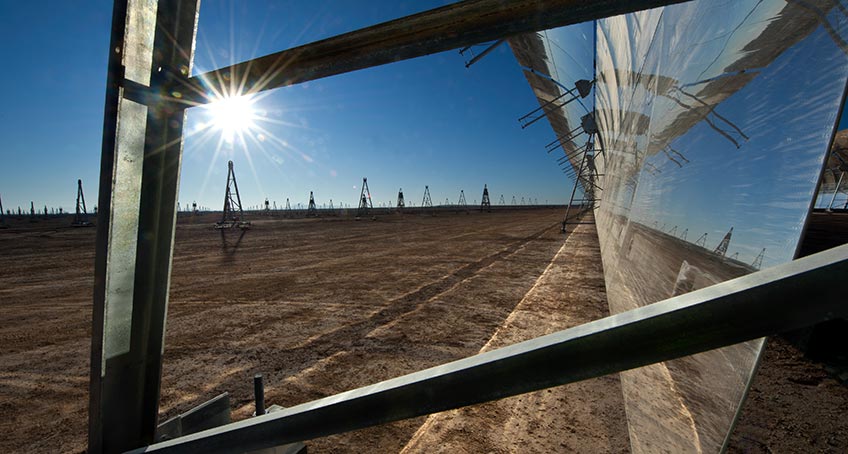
427	121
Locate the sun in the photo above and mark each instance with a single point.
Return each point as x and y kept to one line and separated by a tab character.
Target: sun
232	116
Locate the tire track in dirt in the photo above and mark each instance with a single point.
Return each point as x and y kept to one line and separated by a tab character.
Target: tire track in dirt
341	339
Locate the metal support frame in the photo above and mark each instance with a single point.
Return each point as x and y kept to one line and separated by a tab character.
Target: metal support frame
365	203
759	304
427	202
721	249
233	214
400	202
449	27
582	87
584	176
486	51
485	203
81	214
311	209
139	173
462	204
148	89
835	191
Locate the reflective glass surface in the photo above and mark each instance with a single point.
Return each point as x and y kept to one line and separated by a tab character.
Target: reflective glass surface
715	117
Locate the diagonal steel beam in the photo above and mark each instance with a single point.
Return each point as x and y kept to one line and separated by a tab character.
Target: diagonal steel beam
783	298
437	30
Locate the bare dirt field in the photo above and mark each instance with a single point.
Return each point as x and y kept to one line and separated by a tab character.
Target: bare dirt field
321	306
318	306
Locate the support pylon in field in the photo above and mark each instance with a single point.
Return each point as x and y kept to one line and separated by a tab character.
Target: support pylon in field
673	231
502	201
32	209
400	202
702	240
310	209
734	256
758	261
522	201
462	203
2	215
233	214
721	249
427	202
485	204
364	199
513	200
447	201
267	207
685	233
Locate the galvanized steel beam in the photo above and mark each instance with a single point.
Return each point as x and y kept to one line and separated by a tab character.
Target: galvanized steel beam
783	298
152	45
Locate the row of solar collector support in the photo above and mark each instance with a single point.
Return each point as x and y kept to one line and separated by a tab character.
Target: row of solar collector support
80	214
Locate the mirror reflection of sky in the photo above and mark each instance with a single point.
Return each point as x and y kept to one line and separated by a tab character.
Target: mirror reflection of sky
781	120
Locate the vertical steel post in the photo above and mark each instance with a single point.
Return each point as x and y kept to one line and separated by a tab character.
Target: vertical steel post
152	46
835	191
574	189
259	394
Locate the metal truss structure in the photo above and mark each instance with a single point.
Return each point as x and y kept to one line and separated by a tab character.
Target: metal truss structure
150	86
364	199
233	215
486	204
721	249
81	214
427	202
400	201
462	203
311	209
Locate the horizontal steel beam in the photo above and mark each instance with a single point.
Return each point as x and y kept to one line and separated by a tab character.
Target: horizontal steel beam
786	297
437	30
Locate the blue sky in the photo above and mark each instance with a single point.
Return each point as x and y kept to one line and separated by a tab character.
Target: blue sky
427	121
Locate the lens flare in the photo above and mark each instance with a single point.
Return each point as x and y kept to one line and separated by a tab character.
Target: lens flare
232	116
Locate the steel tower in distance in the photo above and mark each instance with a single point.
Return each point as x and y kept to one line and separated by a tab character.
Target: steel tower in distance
400	202
233	215
81	215
311	210
486	204
364	199
721	249
427	202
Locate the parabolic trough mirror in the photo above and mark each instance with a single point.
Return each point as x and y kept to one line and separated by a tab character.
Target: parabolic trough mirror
714	119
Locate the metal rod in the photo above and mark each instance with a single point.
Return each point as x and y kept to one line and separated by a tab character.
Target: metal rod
558	106
759	304
259	394
568	92
836	191
485	52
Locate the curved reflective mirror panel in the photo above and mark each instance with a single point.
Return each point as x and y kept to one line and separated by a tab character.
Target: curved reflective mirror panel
714	120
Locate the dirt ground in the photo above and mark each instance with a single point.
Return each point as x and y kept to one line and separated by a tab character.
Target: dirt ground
323	306
318	306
